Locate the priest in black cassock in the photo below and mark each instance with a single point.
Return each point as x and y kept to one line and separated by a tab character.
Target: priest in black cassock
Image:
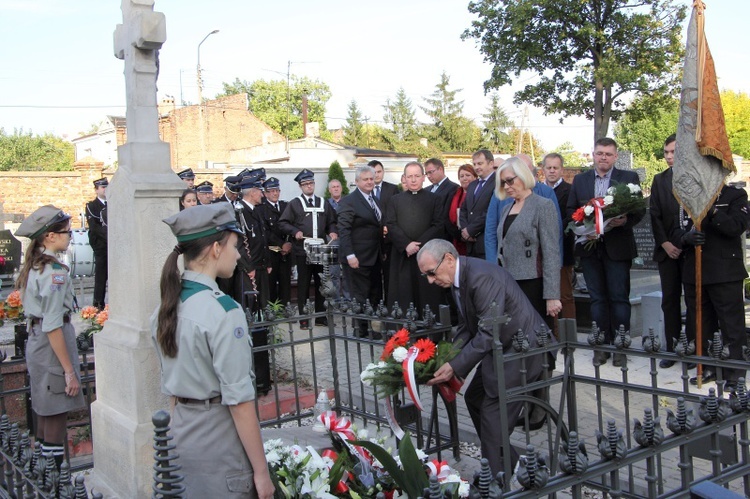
413	218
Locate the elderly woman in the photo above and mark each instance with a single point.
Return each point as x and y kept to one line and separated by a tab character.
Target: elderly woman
527	238
466	175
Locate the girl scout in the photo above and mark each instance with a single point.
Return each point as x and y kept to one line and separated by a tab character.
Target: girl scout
51	354
206	359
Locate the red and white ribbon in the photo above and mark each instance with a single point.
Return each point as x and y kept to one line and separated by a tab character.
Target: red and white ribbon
598	204
343	428
409	378
391	417
439	468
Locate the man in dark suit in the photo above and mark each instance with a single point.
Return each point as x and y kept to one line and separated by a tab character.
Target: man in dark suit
474	209
308	216
606	265
383	192
360	240
477	285
96	217
723	274
552	165
279	244
665	214
442	186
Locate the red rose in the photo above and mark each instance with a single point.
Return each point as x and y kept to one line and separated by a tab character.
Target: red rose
579	215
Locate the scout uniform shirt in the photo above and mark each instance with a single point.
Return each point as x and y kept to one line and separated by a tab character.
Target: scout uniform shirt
214	351
48	295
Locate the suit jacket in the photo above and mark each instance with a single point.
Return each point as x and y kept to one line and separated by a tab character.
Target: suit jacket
481	284
474	211
665	213
97	225
562	192
723	254
445	192
531	247
360	232
618	242
387	191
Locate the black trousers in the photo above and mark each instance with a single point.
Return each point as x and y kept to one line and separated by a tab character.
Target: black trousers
280	278
101	274
670	275
485	414
304	272
366	284
723	304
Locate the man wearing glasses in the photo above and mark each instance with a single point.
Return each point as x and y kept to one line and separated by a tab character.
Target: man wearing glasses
413	218
606	265
477	285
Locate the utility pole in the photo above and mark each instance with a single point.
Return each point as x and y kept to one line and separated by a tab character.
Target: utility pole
201	111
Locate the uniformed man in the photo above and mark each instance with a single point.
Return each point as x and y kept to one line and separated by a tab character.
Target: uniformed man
308	216
279	244
188	177
232	190
205	192
96	218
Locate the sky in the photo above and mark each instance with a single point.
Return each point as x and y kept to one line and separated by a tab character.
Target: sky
59	74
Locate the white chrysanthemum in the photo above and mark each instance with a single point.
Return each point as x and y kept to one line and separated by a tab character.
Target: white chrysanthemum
608	200
464	489
588	210
611	191
400	353
421	455
273	457
363	434
634	188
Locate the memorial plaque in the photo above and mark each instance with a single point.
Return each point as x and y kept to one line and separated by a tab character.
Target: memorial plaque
10	253
644	241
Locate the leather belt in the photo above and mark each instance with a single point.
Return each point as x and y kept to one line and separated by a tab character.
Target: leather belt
35	321
185	400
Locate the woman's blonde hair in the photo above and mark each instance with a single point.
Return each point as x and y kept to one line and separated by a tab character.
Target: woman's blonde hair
520	170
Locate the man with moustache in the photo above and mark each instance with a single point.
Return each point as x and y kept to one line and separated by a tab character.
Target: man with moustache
474	208
360	234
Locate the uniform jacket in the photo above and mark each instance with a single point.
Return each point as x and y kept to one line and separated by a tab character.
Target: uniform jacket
665	213
474	210
253	245
482	283
295	218
618	242
96	219
274	235
360	232
531	248
724	250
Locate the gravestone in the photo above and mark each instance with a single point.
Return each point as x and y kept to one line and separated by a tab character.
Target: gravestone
644	241
10	253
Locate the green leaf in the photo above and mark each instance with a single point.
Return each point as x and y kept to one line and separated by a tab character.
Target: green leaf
389	464
413	468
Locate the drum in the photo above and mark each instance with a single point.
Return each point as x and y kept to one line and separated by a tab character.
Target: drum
314	250
80	256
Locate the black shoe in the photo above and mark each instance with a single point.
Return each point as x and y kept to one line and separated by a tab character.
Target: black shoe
691	365
620	360
708	376
666	364
600	358
321	321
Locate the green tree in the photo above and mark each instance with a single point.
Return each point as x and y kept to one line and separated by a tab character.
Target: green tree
399	114
588	54
335	172
448	128
496	125
354	130
280	105
737	116
571	157
525	143
27	152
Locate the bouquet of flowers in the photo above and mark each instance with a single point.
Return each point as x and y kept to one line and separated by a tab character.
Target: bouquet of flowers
297	472
594	217
94	318
403	364
12	308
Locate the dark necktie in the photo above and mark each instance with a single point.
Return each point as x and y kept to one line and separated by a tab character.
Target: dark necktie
479	186
377	191
276	205
374	207
310	203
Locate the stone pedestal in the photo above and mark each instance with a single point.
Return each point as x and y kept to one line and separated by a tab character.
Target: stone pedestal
142	193
653	316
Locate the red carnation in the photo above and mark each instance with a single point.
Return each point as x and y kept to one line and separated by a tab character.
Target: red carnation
579	215
426	349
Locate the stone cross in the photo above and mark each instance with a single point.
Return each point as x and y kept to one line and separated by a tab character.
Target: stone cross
137	42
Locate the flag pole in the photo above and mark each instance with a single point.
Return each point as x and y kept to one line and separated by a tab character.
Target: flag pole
698	308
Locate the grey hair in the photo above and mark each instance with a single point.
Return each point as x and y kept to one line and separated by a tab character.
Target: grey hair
437	249
245	192
520	168
363	169
335	180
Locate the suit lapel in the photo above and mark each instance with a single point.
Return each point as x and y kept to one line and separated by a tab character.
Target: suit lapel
463	290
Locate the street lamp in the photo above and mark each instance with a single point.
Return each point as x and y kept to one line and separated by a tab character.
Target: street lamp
200	99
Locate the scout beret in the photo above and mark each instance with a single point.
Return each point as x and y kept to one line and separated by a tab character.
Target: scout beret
205	186
185	174
202	220
40	221
304	175
271	183
102	182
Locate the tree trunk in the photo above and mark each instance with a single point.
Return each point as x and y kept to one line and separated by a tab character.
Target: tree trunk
598	111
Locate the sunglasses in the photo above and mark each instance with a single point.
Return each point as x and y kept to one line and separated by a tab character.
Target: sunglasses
509	181
431	273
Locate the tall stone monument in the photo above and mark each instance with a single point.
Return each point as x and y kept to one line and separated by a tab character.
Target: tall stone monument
143	192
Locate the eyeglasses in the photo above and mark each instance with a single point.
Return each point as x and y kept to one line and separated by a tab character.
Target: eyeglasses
430	172
605	154
431	273
509	181
68	232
